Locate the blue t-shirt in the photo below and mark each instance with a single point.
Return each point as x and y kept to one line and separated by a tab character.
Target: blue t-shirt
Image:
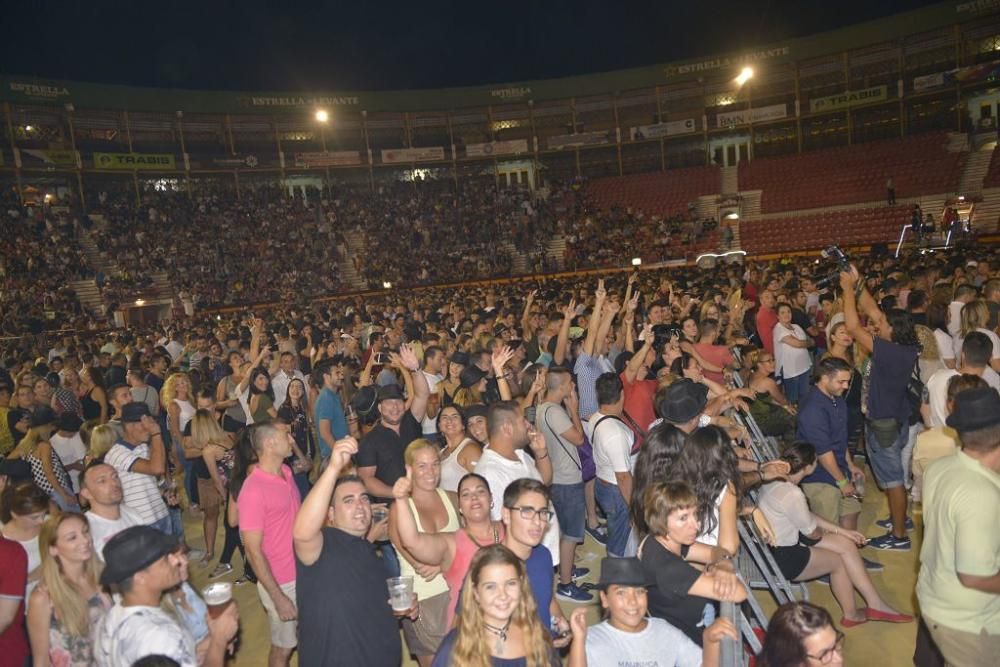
822	422
328	408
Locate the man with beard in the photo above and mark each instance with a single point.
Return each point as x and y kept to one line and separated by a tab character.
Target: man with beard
333	553
380	454
331	424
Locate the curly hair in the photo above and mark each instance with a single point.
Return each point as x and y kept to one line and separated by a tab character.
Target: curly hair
169	391
660	450
902	327
472	642
708	465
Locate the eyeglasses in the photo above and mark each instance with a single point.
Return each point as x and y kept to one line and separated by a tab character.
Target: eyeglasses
529	513
826	657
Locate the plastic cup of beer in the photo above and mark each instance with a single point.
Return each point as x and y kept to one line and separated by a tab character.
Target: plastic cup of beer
400	593
217	596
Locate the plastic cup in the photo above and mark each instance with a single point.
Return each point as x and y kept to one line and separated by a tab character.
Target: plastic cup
400	593
217	596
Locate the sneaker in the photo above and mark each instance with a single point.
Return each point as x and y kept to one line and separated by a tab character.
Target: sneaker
195	555
220	570
890	542
887	524
573	593
243	580
600	534
580	572
872	565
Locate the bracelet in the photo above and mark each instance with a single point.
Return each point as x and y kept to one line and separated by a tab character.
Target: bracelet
153	435
841	483
542	458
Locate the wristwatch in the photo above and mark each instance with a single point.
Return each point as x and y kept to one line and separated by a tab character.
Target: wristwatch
704	420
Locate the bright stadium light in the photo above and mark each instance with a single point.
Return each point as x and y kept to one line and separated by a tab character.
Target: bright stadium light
28	128
386	285
637	261
140	302
745	75
322	116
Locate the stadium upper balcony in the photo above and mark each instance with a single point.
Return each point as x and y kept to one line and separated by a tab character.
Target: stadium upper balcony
885	78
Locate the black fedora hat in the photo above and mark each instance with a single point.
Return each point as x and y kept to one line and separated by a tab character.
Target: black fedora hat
470	377
684	400
621	572
133	550
975	409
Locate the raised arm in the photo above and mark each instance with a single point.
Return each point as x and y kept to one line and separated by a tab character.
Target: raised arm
501	355
635	363
526	316
307	531
607	319
848	282
568	314
421	390
428	548
595	318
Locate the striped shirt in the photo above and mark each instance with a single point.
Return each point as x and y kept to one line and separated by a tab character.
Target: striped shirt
141	492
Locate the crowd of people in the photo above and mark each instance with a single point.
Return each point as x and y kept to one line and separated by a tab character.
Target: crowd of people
428	463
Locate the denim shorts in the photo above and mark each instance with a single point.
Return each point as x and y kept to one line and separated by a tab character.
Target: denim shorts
571	510
886	462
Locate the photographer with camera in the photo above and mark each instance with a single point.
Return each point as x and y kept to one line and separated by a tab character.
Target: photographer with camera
894	349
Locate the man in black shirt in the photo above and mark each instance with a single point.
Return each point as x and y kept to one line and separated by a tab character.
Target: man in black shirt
380	454
344	618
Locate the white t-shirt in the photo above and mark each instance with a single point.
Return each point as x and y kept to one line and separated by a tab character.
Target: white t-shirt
787	510
659	644
790	361
126	634
429	424
102	530
612	444
945	343
69	450
141	492
937	392
499	473
955	317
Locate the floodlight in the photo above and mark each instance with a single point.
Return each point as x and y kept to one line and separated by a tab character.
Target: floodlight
29	128
637	261
745	75
322	115
140	302
386	285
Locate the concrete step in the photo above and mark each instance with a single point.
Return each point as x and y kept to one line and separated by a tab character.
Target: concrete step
730	180
974	172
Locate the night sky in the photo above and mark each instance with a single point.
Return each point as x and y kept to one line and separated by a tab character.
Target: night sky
258	45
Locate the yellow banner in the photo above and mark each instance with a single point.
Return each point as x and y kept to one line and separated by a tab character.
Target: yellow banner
130	161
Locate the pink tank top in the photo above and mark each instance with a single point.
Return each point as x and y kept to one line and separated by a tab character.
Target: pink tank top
465	549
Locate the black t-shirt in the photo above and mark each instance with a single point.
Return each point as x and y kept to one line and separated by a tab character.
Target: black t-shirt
198	465
383	448
669	578
301	345
800	318
355	626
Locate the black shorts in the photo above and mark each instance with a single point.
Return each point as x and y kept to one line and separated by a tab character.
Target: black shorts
793	560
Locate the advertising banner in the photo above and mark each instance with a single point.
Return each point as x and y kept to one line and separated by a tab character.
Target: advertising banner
512	147
668	129
51	156
402	155
130	161
756	115
849	98
328	159
928	81
973	73
581	139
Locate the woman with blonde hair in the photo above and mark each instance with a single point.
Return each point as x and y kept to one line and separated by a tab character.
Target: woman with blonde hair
770	409
101	440
206	433
434	513
930	360
93	396
498	623
975	317
46	467
69	601
176	399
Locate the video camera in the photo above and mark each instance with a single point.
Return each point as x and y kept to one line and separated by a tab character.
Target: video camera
843	263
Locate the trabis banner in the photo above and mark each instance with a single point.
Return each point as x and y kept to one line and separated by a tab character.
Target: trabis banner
135	161
849	98
512	147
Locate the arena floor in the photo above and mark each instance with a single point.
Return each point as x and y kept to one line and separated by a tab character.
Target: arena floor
884	644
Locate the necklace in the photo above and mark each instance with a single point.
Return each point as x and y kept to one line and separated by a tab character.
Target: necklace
501	634
496	536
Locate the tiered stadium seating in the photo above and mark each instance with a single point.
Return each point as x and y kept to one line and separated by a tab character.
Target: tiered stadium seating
992	178
818	230
663	193
854	174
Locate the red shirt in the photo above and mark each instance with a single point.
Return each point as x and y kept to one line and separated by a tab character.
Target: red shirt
766	319
639	403
718	355
13	578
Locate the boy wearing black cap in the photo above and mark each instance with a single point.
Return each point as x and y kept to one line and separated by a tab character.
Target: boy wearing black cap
628	636
142	564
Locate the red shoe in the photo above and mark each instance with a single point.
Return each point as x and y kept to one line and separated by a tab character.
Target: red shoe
848	623
875	615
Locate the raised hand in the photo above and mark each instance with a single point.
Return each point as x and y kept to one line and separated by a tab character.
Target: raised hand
570	311
343	450
600	292
403	487
501	355
408	358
